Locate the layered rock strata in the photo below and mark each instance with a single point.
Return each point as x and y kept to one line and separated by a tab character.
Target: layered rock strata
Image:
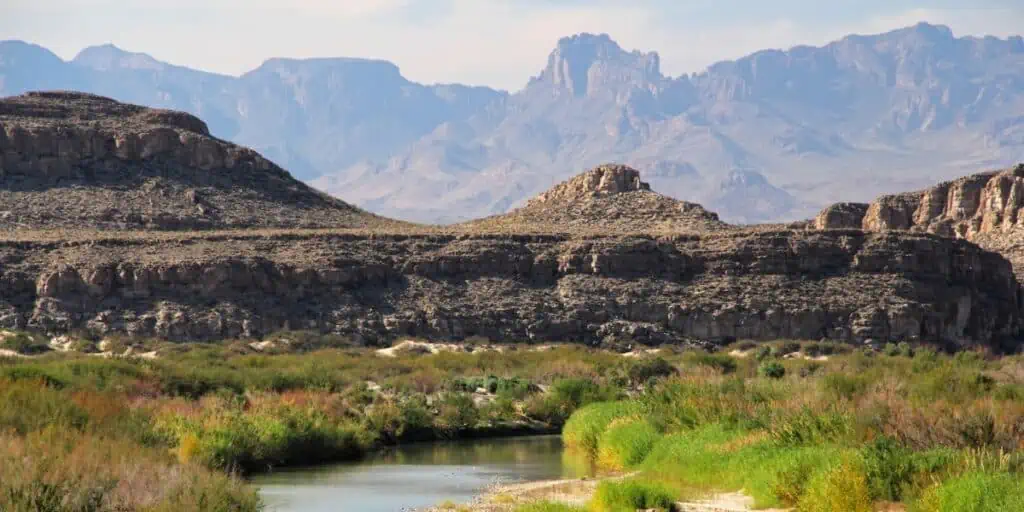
986	208
73	160
844	285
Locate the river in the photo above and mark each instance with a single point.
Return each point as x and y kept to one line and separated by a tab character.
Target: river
417	475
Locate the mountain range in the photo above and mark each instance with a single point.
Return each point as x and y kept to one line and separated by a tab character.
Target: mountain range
772	136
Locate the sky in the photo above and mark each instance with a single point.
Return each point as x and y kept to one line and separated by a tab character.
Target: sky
499	43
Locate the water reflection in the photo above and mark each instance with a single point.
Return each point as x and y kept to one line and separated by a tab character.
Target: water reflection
419	475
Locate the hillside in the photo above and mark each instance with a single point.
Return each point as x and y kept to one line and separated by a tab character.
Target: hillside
773	136
73	160
606	199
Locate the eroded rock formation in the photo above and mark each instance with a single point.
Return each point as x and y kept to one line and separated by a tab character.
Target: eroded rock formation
844	285
984	208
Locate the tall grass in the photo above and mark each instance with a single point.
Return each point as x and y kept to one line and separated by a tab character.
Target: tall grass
584	429
917	427
625	443
631	495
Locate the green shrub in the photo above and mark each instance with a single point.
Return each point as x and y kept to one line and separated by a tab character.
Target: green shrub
579	392
841	385
889	468
25	344
840	487
772	370
456	412
625	443
763	352
787	348
974	492
1009	393
905	349
721	362
808	427
644	370
632	495
31	406
584	428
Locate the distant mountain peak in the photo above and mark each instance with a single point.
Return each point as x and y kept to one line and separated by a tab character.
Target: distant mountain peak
13	50
926	28
107	56
379	69
577	59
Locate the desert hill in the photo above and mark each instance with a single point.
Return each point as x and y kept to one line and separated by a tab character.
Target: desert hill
609	199
74	160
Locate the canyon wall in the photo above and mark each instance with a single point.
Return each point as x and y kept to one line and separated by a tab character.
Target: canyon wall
843	285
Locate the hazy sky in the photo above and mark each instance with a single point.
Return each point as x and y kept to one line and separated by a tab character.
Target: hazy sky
500	43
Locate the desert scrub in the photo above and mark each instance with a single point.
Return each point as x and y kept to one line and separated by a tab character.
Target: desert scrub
63	470
625	443
583	431
262	434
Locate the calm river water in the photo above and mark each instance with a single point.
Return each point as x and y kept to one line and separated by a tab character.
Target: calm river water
418	475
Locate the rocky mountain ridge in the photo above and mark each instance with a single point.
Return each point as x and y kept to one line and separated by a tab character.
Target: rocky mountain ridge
773	136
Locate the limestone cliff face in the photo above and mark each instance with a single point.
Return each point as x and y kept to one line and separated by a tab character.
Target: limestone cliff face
844	285
73	160
984	208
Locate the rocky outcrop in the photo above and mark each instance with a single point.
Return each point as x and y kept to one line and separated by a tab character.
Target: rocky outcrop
609	198
601	181
844	285
841	216
77	160
984	208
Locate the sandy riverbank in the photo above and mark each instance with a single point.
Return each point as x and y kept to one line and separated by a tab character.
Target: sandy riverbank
506	497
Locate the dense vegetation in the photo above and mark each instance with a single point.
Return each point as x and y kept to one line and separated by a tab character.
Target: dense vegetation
88	433
902	428
823	428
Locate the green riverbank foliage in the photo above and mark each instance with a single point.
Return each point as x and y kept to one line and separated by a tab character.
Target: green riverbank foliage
849	433
176	432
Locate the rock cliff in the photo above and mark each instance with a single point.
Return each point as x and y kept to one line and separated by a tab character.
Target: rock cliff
986	208
844	285
72	160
